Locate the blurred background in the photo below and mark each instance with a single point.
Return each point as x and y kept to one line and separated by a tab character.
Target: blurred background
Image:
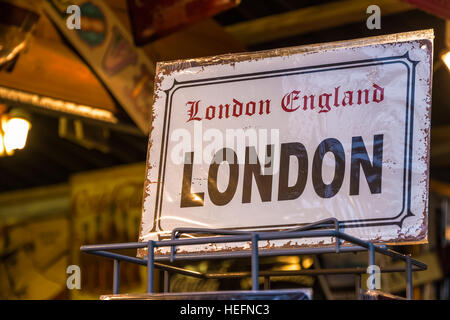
73	141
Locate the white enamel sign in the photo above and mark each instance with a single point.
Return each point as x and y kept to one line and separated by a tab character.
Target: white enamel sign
277	139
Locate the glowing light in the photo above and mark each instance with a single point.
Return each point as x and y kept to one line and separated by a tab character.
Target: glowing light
291	267
307	263
446	58
2	149
196	198
57	105
289	259
15	134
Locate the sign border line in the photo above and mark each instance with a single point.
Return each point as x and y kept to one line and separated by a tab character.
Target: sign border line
295	71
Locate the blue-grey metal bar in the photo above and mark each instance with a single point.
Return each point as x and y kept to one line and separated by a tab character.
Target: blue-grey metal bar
371	265
338	240
371	254
144	262
242	238
116	277
255	262
118	256
173	251
150	265
409	284
381	250
221	255
262	236
204	240
114	246
318	224
177	232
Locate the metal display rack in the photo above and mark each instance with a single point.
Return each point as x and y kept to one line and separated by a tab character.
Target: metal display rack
324	228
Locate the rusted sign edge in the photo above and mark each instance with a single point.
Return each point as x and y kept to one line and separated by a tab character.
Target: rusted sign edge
142	252
168	67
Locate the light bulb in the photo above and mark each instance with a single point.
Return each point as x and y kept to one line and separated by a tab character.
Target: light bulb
446	58
15	134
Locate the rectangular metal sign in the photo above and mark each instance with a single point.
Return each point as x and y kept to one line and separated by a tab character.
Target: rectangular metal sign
276	139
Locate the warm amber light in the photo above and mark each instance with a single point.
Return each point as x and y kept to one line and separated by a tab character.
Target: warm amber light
307	263
197	198
446	58
2	149
291	267
15	134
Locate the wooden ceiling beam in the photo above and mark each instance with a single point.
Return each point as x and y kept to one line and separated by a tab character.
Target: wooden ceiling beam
311	19
51	69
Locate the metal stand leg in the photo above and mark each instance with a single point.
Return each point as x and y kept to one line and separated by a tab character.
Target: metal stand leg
116	277
372	263
409	284
150	266
255	267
